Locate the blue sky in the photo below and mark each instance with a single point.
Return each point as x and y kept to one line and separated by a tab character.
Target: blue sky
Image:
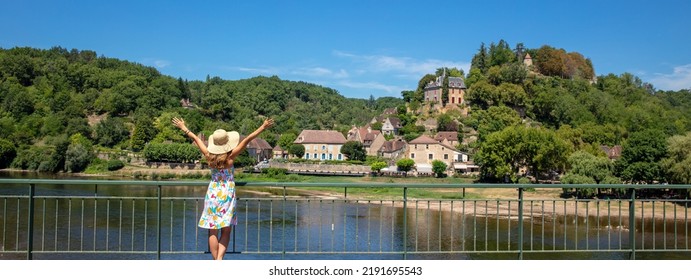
359	48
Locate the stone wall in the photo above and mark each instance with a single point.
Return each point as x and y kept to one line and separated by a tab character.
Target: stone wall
321	167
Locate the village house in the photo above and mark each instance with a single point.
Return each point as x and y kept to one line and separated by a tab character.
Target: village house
259	149
279	152
447	137
456	87
424	150
321	144
370	139
393	149
390	124
613	153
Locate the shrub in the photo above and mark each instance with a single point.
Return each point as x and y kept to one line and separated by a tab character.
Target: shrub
115	164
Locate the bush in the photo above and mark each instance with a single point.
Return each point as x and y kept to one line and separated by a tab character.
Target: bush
115	164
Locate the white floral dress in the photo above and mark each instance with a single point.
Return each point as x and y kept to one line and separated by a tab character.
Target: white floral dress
220	201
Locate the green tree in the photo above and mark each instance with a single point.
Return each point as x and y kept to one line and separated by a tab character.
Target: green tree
77	158
439	168
297	150
405	164
677	164
354	150
111	131
377	166
641	155
285	141
7	153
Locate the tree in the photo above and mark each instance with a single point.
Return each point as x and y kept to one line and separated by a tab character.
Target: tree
641	155
677	164
377	166
479	60
77	158
503	153
405	164
286	140
297	150
111	131
354	150
439	168
7	153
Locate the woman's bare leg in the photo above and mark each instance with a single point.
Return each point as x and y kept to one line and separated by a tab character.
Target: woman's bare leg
223	243
213	242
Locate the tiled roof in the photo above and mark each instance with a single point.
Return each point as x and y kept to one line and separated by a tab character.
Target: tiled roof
613	152
456	82
257	143
390	111
392	146
396	122
320	137
448	135
424	139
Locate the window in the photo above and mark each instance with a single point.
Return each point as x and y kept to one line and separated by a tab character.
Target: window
446	156
323	147
340	157
430	156
331	156
315	156
307	156
412	155
427	147
323	156
416	146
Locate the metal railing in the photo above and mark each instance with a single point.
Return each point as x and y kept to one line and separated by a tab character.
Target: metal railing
102	219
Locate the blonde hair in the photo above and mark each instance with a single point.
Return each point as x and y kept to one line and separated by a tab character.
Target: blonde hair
218	161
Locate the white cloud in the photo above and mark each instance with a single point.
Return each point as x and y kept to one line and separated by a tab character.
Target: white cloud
320	72
679	79
265	71
371	85
158	63
401	66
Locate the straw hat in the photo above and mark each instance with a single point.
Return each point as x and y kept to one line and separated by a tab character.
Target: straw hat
222	142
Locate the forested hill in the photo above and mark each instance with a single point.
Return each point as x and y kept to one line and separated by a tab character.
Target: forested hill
47	94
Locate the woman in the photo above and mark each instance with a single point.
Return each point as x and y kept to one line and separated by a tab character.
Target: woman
220	200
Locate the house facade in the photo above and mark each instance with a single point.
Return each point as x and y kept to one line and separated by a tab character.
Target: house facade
456	87
278	152
424	150
393	149
371	139
321	144
447	137
259	149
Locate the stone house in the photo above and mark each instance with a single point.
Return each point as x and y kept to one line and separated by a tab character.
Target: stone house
447	137
393	149
424	150
371	139
279	152
456	87
259	149
321	144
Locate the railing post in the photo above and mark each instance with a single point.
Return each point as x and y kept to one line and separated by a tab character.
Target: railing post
405	223
520	223
632	223
283	232
158	228
30	236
